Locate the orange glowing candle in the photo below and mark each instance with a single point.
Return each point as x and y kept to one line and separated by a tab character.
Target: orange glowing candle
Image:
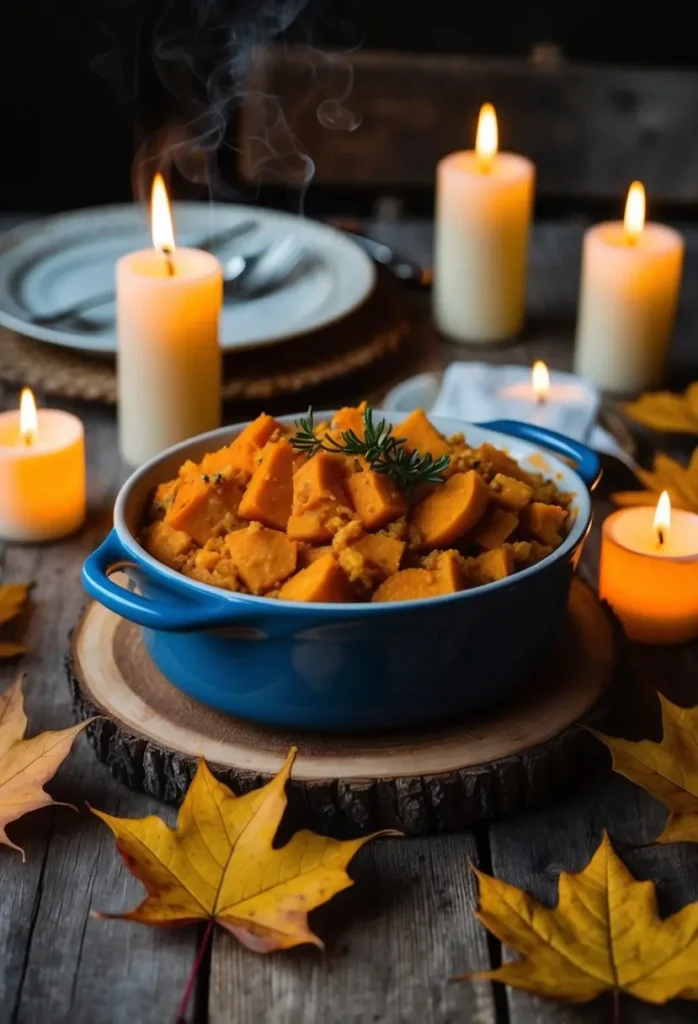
649	572
169	362
42	473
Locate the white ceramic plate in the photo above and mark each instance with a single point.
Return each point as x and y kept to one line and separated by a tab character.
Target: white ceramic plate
50	263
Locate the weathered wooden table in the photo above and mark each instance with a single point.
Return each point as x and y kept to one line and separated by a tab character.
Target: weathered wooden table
394	939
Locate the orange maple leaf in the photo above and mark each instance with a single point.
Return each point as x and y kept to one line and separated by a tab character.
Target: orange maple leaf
667	411
604	935
667	770
219	864
25	765
681	482
13	597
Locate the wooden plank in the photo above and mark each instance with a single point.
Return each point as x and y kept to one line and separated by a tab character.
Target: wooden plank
393	941
59	964
589	129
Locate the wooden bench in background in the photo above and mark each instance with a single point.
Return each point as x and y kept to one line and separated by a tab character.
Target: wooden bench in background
590	129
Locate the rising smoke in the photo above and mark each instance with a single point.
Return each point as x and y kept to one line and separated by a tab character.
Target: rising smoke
185	66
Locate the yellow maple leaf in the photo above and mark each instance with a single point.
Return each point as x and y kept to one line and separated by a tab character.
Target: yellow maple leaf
12	599
25	765
218	864
667	475
667	411
605	934
668	770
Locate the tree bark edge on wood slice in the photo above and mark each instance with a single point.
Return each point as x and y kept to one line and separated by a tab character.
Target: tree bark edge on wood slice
343	803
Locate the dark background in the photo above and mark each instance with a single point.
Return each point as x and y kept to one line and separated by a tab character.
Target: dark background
78	91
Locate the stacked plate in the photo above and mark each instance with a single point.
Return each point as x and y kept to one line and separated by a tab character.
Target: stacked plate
51	264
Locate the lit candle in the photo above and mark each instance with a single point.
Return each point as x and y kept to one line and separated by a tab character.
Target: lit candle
169	362
631	275
649	572
484	201
559	401
42	473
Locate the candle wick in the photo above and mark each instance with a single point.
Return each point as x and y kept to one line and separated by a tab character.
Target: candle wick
660	537
169	260
540	399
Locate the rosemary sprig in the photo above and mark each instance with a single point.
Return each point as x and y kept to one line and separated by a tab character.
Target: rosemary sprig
383	452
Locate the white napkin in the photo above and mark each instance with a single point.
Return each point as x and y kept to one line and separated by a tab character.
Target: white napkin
478	392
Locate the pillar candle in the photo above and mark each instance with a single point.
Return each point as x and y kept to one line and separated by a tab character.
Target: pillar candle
484	201
42	473
631	275
169	361
649	572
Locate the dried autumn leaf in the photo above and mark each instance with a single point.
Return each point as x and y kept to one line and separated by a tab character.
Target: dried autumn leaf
668	770
12	599
605	934
667	411
25	765
667	475
218	864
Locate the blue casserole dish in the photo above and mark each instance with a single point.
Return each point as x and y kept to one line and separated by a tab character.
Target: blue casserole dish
346	666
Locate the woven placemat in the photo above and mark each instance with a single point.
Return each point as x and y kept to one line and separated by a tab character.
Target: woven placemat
368	334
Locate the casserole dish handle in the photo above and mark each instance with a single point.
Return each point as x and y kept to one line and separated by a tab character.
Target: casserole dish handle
172	611
586	461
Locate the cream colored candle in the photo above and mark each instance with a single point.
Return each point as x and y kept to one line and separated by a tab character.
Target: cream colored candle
42	473
484	201
631	276
169	361
649	572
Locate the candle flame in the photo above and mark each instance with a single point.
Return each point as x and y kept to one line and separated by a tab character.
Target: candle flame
28	421
161	218
540	380
487	137
662	517
634	220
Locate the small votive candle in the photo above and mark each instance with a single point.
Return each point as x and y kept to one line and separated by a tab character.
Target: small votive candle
649	572
484	201
42	473
631	276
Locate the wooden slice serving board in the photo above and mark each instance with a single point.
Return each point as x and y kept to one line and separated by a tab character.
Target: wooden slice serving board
421	780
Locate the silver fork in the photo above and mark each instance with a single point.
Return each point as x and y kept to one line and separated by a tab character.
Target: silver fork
75	311
244	278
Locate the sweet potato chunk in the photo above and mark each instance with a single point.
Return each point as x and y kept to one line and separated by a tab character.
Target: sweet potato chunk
382	551
323	580
168	545
545	522
451	511
511	494
263	558
318	481
320	501
448	572
348	418
500	462
269	493
202	505
495	565
495	526
414	584
307	554
241	455
318	525
374	496
420	435
163	498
